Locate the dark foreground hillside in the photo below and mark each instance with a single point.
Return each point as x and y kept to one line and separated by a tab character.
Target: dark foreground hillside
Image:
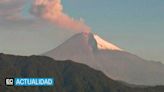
70	76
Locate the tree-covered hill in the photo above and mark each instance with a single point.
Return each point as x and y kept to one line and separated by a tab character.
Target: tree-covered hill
69	76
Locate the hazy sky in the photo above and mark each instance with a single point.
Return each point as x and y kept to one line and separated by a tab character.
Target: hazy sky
136	26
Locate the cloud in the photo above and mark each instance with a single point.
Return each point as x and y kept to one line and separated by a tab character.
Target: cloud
4	1
10	9
52	10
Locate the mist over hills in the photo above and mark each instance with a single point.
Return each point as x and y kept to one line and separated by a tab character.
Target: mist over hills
116	63
70	76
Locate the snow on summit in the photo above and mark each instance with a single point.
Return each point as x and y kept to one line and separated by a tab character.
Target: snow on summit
102	44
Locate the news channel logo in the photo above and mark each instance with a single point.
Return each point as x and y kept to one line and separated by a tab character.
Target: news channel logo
9	81
29	82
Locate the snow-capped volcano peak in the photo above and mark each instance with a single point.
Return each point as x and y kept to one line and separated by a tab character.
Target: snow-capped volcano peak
102	44
96	42
92	50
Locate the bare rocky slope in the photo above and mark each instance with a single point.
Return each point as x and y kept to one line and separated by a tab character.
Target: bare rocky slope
116	63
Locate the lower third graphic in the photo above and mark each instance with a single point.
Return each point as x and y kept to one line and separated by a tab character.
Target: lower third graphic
29	82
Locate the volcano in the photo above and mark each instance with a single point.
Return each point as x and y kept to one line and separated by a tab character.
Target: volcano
92	50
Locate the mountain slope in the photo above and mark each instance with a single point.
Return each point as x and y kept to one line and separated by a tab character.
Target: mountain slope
114	62
70	76
102	44
76	48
